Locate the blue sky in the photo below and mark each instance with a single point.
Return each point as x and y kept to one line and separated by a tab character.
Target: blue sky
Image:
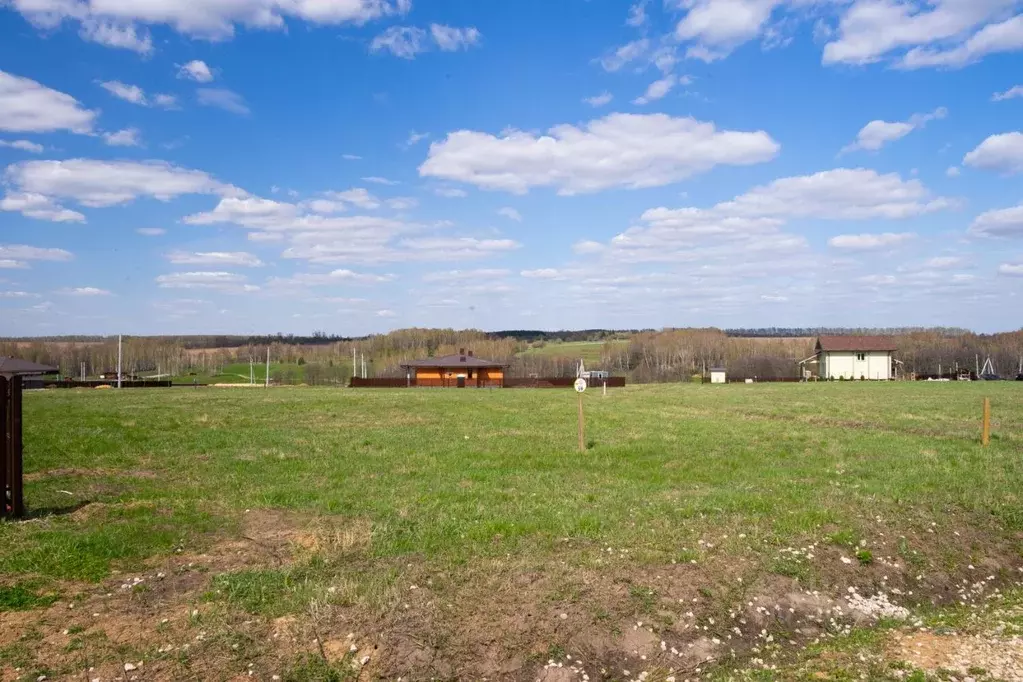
354	166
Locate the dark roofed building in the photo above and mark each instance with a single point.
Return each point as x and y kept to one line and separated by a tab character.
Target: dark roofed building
451	371
16	366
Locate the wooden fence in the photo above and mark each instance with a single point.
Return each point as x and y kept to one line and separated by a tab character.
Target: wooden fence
359	382
561	382
94	383
509	382
13	503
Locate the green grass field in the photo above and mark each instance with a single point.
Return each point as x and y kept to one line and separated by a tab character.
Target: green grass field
461	534
590	352
238	373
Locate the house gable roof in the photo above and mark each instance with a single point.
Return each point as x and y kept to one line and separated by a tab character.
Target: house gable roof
468	361
856	344
12	366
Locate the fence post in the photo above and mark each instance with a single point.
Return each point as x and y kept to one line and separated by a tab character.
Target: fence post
985	437
15	480
4	445
582	427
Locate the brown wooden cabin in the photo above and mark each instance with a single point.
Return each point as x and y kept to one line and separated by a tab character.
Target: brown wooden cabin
455	371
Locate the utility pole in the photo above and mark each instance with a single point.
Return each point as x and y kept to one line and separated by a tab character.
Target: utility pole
976	359
83	372
268	367
363	365
119	354
252	372
355	363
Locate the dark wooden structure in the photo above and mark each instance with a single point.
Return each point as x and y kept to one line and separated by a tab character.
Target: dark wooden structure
11	447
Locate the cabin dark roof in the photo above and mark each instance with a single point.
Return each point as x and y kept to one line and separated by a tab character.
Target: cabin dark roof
454	361
856	344
11	366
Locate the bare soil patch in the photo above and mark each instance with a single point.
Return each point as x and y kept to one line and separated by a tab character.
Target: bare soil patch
500	619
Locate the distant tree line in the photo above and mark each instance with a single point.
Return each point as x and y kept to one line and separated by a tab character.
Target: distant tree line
647	356
789	332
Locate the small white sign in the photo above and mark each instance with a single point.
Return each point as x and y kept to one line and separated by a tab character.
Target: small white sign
580	385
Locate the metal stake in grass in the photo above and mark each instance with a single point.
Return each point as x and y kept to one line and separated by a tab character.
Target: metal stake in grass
985	437
580	387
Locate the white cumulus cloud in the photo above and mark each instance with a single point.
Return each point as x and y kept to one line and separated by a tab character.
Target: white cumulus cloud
39	207
18	256
750	226
115	34
23	145
620	150
334	277
909	34
1005	36
84	291
129	137
452	39
657	90
219	258
1005	222
1012	93
869	242
129	93
35	186
220	281
1001	153
401	41
107	183
510	214
626	54
114	22
713	28
196	70
600	100
28	107
877	134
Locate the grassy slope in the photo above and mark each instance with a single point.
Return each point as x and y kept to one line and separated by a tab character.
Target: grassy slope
456	477
238	373
589	351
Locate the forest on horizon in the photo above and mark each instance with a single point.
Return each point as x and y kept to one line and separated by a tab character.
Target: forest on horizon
642	356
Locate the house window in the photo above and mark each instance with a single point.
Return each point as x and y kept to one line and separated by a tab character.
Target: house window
861	356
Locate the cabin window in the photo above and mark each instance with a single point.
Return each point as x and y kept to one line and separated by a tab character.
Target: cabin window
861	356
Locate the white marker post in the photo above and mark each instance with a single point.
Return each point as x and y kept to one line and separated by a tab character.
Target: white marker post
580	388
